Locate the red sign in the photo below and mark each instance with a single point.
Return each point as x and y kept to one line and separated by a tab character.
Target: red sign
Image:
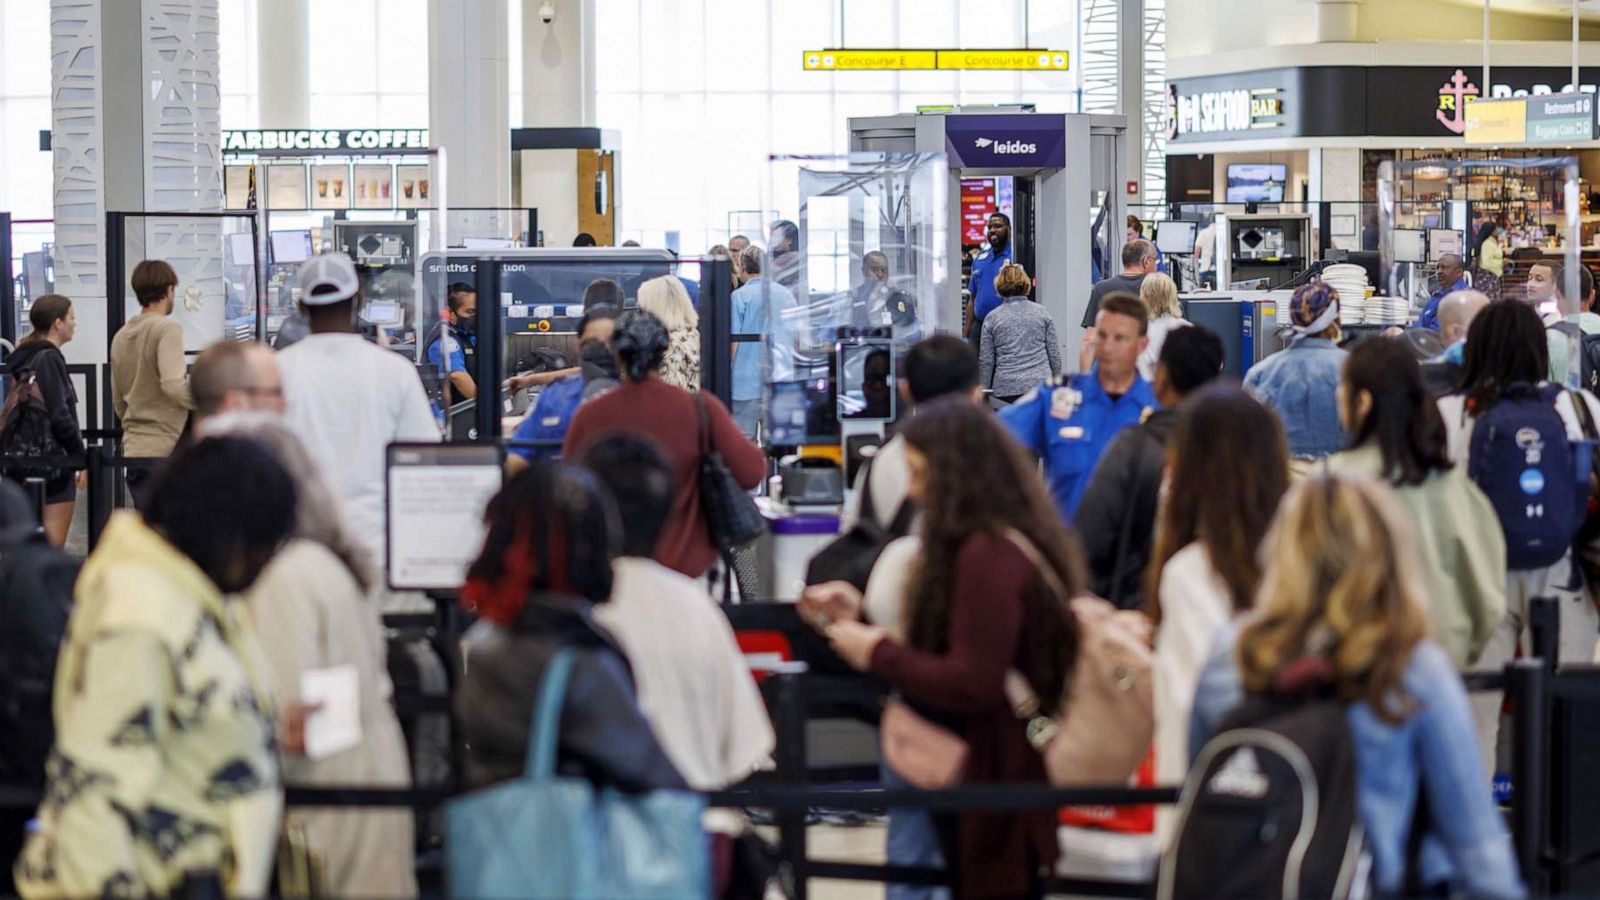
1133	187
978	203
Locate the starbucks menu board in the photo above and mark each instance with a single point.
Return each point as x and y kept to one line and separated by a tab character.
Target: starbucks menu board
980	199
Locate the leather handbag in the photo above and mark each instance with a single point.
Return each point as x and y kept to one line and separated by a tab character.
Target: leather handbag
547	836
731	513
1108	720
926	755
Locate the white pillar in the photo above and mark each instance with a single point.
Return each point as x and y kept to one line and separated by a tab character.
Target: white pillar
1130	90
136	126
557	65
468	96
283	45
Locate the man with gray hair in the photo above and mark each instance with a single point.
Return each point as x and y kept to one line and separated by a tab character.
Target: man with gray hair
232	376
1452	276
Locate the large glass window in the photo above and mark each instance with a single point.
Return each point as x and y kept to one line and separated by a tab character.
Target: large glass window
26	175
704	91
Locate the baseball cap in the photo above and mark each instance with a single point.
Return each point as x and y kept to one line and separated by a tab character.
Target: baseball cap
328	278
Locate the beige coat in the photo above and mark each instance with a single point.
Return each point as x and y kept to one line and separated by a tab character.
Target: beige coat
311	614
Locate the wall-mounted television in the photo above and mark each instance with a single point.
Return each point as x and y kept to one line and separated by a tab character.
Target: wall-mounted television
1257	182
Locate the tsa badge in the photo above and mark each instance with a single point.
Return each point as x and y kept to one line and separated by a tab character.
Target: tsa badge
1064	401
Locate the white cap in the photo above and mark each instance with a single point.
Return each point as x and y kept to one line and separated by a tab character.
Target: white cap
328	270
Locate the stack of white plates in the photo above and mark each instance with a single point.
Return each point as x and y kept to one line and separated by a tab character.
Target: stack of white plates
1350	281
1387	311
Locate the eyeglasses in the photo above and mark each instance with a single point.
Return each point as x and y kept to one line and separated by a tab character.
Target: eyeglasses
276	392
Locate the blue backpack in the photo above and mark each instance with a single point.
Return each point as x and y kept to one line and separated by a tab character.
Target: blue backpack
1524	462
552	414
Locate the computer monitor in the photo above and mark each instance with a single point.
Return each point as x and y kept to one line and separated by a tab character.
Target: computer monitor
1175	237
241	249
291	246
1410	245
384	313
801	413
866	381
1257	182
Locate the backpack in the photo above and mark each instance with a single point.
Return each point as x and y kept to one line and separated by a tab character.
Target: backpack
1524	463
1588	353
25	429
552	414
1270	808
851	556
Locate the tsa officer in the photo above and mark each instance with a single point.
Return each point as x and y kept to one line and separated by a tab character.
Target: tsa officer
985	266
1069	421
456	340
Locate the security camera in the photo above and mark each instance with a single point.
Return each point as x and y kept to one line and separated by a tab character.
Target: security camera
547	12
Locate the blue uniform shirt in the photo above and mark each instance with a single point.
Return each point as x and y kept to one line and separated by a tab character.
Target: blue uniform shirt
1430	313
985	267
448	342
1070	424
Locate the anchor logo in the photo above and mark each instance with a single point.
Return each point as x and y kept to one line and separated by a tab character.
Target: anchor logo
1453	98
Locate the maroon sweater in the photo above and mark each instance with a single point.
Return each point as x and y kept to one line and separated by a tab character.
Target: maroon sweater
665	414
996	588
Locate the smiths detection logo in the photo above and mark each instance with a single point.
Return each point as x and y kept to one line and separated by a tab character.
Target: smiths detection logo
1005	148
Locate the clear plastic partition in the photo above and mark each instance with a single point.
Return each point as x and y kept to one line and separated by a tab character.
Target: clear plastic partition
32	265
214	256
1433	209
385	213
491	228
850	282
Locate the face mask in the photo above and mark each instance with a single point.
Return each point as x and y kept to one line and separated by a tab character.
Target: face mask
466	326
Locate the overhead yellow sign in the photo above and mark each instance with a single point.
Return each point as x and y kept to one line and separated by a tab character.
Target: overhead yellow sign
1008	60
949	60
1497	121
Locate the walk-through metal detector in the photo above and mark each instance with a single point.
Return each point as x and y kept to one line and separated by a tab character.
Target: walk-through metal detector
1056	176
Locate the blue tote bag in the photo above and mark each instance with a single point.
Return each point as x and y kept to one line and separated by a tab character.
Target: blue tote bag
547	836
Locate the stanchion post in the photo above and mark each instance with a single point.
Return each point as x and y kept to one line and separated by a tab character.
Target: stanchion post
789	706
100	487
1529	685
35	488
1544	625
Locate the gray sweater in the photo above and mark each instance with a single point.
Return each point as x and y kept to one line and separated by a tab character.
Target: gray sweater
1018	349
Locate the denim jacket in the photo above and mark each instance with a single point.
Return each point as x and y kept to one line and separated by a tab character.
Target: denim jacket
1434	750
1299	384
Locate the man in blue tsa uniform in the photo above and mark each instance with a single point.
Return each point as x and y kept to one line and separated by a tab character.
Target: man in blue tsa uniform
452	344
985	266
1069	422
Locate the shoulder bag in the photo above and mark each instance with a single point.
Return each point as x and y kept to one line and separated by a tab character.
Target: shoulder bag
731	513
543	835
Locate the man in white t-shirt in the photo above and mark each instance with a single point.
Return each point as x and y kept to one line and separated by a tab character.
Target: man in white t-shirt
349	399
694	685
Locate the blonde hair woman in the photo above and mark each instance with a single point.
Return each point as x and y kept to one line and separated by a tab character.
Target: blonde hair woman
313	611
1342	603
668	300
1018	349
1160	297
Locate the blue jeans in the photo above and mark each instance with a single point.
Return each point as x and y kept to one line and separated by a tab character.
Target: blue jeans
912	842
746	413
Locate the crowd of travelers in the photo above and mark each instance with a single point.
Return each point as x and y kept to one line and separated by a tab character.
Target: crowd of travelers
1334	533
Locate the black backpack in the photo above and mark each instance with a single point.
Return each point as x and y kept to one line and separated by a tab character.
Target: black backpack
1270	808
851	556
25	429
1588	353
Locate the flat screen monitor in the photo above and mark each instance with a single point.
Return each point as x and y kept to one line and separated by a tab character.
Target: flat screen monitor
801	413
1257	182
241	249
866	381
291	246
1410	245
1176	237
384	313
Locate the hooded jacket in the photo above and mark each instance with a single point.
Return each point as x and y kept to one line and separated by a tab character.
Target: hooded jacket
50	368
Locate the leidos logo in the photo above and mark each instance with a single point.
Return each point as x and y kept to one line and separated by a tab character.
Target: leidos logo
1006	148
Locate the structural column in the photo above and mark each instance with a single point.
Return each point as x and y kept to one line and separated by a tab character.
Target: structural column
557	92
468	99
283	45
136	126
